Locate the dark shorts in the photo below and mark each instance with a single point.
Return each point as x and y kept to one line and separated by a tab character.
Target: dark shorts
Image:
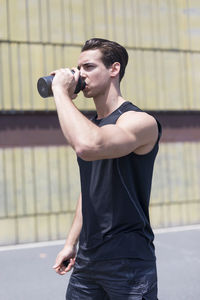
119	279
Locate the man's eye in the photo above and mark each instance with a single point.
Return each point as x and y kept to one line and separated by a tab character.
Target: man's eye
88	67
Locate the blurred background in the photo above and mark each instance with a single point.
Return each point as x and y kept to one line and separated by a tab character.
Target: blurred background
39	180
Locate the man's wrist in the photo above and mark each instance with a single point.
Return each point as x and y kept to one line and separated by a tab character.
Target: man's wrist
60	92
71	242
70	245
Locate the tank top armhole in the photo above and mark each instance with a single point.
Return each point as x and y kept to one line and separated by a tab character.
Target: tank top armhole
159	130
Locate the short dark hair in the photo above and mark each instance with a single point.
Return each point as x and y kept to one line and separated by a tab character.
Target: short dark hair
111	52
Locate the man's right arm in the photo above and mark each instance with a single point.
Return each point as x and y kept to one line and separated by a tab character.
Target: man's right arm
69	250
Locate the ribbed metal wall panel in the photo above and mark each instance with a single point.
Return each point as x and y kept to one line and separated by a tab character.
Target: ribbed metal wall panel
176	185
162	38
154	80
39	188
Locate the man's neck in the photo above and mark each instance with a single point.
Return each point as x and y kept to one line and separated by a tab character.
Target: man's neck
106	104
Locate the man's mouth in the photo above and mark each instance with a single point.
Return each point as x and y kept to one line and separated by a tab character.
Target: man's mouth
86	86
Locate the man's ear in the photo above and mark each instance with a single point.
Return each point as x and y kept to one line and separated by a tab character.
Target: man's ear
115	69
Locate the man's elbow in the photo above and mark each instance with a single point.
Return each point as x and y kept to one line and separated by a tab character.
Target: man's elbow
89	149
85	151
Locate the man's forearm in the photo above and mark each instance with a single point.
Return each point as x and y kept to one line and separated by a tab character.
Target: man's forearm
77	129
75	230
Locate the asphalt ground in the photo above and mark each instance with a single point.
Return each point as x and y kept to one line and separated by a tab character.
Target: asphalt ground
26	270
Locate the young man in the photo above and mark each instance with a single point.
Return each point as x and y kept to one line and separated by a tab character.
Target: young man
116	152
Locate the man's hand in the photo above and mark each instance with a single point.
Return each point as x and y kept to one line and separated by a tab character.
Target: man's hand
68	253
65	81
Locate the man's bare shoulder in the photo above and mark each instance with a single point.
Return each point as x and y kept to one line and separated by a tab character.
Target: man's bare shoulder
137	119
143	127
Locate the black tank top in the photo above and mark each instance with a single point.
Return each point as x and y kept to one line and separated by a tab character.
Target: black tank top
115	202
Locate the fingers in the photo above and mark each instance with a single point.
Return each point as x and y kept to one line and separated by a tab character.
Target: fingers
52	72
61	71
75	72
69	266
60	268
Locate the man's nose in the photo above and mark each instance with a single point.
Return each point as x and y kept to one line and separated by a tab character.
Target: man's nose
82	73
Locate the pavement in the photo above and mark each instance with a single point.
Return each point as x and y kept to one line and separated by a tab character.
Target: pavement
26	270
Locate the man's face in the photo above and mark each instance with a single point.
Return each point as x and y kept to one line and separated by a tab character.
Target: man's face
94	72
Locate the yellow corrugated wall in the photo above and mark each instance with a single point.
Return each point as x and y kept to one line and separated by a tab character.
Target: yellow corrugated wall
162	38
176	185
39	186
39	189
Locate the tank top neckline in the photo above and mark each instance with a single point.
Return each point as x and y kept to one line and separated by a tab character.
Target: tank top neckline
117	109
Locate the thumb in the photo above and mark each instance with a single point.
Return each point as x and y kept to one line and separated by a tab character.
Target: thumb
57	263
54	267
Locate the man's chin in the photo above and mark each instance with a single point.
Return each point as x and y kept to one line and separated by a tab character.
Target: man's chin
87	94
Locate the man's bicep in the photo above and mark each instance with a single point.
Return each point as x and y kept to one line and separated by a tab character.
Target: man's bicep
143	127
117	141
129	133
